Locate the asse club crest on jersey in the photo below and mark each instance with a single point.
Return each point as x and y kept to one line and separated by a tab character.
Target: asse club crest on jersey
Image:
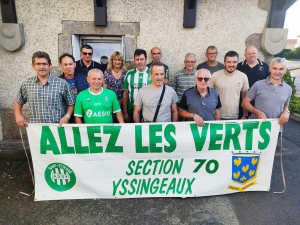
244	171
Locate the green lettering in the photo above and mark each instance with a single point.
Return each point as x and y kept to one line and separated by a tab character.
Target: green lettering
249	127
139	148
153	187
170	129
47	141
214	137
177	166
65	149
232	131
93	140
155	139
145	186
145	167
115	186
189	188
77	140
266	125
130	164
132	183
124	183
114	132
172	186
138	166
162	185
199	140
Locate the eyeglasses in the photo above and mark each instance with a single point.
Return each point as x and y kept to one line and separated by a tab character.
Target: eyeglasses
190	61
156	53
203	78
41	64
87	53
213	53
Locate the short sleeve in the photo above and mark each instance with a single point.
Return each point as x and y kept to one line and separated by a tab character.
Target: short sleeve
78	111
125	83
138	99
252	91
183	103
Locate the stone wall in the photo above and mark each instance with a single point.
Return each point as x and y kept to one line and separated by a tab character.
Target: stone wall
225	24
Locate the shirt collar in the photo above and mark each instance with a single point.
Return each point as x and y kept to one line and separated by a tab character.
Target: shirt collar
269	82
197	92
50	79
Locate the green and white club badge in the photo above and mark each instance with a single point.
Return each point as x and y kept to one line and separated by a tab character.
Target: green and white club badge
60	177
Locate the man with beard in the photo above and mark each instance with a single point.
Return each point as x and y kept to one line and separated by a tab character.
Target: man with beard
148	99
231	84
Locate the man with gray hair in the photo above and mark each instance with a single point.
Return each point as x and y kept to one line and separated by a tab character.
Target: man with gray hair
97	104
184	78
200	103
271	95
211	64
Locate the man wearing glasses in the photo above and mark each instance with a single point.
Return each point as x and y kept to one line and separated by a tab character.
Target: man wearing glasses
211	64
184	79
200	103
231	85
156	56
50	98
86	63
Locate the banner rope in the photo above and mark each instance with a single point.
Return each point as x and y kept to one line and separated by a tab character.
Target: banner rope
31	173
281	165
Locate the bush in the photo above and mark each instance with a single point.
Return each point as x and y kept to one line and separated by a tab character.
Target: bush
294	105
288	79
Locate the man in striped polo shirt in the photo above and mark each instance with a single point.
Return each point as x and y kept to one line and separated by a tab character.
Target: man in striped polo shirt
184	79
135	79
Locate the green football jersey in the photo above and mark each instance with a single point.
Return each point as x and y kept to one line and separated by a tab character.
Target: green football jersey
133	82
96	108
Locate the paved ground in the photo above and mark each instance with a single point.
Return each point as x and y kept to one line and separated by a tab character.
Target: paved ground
244	208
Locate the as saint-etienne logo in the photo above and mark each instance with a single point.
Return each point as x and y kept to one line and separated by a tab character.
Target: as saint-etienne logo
89	113
60	177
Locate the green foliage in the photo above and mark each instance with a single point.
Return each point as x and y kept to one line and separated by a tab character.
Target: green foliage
288	79
293	54
282	53
294	105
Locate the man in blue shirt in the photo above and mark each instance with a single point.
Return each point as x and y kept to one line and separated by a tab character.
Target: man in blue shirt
77	82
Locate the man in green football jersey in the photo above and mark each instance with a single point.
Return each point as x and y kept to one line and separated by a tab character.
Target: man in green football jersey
135	79
97	104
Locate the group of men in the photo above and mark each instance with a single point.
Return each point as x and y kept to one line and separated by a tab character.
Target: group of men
213	91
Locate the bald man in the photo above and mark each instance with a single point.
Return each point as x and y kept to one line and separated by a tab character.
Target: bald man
156	56
254	68
97	104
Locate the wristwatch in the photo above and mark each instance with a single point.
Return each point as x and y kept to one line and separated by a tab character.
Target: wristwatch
288	111
67	115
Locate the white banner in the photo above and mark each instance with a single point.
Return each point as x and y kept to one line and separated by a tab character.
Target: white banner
152	159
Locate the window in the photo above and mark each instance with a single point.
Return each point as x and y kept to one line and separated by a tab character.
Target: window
102	46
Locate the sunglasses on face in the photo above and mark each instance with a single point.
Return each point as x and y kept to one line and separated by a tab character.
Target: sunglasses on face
87	53
203	78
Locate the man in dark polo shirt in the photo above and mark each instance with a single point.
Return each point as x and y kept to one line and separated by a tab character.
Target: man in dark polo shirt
86	63
200	103
156	56
254	68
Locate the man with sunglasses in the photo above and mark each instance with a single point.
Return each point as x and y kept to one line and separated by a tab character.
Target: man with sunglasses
156	56
200	103
211	64
231	85
86	63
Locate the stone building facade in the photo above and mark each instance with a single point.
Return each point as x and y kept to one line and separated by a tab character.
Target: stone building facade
49	26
